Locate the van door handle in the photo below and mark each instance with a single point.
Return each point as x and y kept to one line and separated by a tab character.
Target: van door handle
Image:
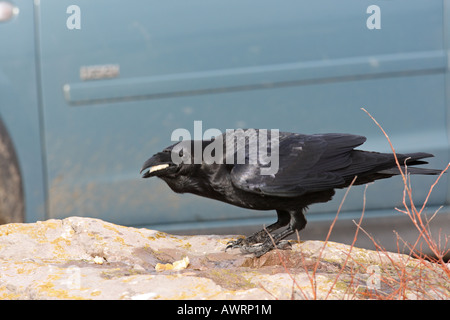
7	11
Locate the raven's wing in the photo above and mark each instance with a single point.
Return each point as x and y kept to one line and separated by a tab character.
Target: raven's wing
307	163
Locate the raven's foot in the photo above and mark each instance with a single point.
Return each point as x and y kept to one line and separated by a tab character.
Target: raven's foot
235	244
262	242
258	249
258	237
246	242
261	248
239	243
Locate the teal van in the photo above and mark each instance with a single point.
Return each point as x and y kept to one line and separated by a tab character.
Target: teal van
89	89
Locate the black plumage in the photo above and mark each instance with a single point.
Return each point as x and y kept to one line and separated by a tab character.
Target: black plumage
310	167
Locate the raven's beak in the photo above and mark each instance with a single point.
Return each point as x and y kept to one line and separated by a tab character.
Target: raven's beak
155	166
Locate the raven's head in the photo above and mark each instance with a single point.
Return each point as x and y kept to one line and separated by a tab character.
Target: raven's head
175	161
161	164
178	167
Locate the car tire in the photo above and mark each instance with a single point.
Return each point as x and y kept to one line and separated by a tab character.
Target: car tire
12	206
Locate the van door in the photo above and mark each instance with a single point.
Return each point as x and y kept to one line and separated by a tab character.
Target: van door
118	77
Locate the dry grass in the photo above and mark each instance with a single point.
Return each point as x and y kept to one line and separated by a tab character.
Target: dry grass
430	277
413	276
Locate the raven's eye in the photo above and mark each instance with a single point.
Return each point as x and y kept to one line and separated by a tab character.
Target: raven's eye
180	154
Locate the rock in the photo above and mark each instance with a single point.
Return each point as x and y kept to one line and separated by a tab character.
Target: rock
83	258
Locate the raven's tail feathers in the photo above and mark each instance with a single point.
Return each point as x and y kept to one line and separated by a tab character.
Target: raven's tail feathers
410	170
412	159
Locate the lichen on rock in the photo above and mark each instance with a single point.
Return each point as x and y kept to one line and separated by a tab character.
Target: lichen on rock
84	258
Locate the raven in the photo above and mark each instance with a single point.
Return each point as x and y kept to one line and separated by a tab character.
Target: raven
310	167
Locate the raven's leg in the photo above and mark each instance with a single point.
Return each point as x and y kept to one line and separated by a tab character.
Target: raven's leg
297	222
261	236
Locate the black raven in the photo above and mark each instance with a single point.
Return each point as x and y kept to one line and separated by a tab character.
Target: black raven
308	169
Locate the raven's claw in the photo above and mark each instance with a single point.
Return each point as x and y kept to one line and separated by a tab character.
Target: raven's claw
258	249
234	244
261	248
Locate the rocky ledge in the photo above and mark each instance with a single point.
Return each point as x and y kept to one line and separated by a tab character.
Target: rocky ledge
83	258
